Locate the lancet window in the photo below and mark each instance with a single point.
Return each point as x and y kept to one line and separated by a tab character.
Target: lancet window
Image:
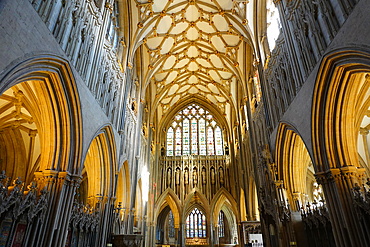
171	225
221	225
196	224
194	131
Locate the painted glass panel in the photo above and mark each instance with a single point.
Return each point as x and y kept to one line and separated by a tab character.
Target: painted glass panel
186	137
221	226
171	225
170	142
202	137
178	142
218	140
210	142
194	136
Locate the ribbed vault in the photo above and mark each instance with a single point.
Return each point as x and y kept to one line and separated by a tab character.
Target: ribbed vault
193	48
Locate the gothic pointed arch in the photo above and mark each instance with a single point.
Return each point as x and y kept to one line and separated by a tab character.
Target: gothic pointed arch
165	226
41	133
225	216
52	97
124	186
293	166
100	166
340	105
196	199
340	102
169	198
223	198
197	218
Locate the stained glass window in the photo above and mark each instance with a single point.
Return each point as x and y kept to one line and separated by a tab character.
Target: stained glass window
188	227
221	226
194	136
196	226
218	141
170	142
171	225
210	142
257	87
186	137
202	137
194	131
178	142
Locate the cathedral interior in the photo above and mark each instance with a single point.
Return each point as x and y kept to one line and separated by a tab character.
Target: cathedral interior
163	123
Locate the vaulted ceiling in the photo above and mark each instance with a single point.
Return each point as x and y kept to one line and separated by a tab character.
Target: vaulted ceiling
194	48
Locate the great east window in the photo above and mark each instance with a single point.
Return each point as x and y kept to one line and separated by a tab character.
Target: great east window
194	131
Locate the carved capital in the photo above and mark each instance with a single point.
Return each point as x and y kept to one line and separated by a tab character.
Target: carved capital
279	184
32	133
352	173
348	173
52	176
364	131
324	177
296	196
48	176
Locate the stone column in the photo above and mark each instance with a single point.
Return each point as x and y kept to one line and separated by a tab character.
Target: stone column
61	187
182	235
177	235
337	185
214	239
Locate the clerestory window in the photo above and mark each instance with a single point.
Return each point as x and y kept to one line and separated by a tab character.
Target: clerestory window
194	131
273	24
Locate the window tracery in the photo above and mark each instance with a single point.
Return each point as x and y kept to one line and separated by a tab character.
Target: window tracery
194	131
